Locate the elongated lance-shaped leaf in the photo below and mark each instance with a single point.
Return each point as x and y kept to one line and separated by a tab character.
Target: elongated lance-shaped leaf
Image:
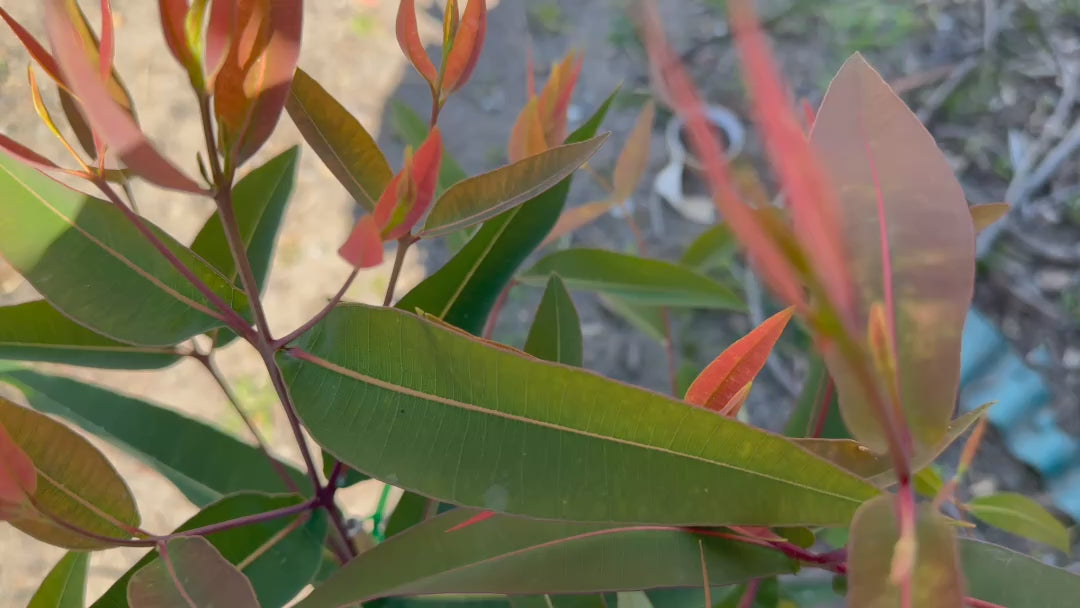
408	37
555	334
738	365
522	556
636	279
94	266
345	147
463	291
581	441
479	198
465	51
157	436
577	217
907	228
259	201
936	581
278	557
527	134
189	573
1020	515
65	585
36	331
634	157
75	484
1007	578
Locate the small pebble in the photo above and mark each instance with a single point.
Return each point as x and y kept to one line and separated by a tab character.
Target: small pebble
1053	279
983	487
1071	358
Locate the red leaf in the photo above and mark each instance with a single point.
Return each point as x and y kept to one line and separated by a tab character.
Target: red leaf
527	134
107	47
412	191
24	154
18	477
38	52
555	97
173	13
465	51
765	253
219	32
737	365
108	119
409	39
810	196
364	247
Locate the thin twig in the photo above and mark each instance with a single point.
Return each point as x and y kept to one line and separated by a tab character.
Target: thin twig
207	361
247	520
319	316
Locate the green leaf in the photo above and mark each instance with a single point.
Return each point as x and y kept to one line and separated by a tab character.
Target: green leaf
906	228
190	573
936	579
259	200
463	291
339	139
35	331
93	265
466	402
716	246
522	556
637	280
277	572
161	438
1014	580
928	482
413	130
1022	516
555	334
65	585
649	320
76	484
484	196
818	392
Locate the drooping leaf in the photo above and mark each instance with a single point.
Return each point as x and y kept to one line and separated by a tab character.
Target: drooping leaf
190	573
463	291
94	266
479	198
159	437
638	280
259	200
408	37
521	556
109	119
737	366
277	557
1020	515
75	484
35	331
555	334
465	51
983	216
936	580
413	130
562	449
65	585
907	228
1007	578
345	147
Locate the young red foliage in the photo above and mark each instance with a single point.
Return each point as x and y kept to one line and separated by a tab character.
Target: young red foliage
408	36
364	247
412	191
18	477
37	52
738	365
107	46
554	98
527	134
465	51
219	33
173	13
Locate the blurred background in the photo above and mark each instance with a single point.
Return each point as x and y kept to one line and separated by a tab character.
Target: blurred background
996	82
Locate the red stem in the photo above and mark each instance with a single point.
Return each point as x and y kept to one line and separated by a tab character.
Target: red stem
824	404
750	595
977	603
319	316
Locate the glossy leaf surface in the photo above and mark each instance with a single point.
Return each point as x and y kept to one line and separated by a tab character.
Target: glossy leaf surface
555	334
159	437
93	265
521	556
580	440
635	279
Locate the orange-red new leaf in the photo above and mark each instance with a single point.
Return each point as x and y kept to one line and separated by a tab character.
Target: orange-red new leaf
575	218
634	158
408	36
37	52
468	42
527	134
18	477
425	177
172	14
364	247
737	366
219	33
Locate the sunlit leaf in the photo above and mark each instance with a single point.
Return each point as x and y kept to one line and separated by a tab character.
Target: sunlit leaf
1007	578
159	437
76	485
412	191
1020	515
364	246
522	556
479	198
737	366
555	334
189	573
463	291
408	36
468	42
983	216
638	280
560	448
65	585
278	557
909	233
527	133
18	477
94	266
936	580
345	147
35	331
413	130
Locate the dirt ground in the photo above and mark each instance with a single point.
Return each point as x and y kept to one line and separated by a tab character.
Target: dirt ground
1024	54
